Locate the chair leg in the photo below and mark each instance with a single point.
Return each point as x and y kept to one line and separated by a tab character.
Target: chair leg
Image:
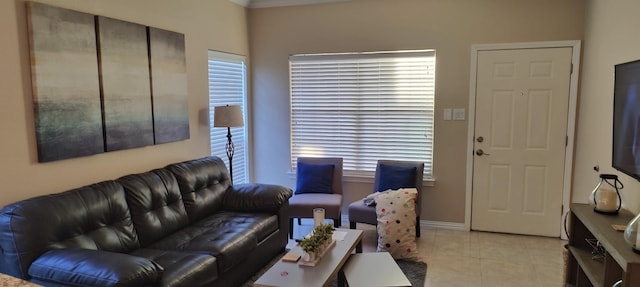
417	226
299	221
290	227
352	225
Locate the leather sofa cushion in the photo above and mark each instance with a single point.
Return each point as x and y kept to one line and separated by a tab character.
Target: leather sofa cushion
228	236
91	217
256	198
155	204
203	183
182	268
84	267
262	224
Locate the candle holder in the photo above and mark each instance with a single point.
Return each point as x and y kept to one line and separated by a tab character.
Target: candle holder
605	198
318	217
631	235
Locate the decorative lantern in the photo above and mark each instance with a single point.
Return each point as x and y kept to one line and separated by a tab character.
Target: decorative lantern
605	198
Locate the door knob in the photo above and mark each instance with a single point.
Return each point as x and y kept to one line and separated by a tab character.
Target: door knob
480	152
480	139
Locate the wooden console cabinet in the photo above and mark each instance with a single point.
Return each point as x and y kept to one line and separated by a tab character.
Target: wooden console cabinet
619	262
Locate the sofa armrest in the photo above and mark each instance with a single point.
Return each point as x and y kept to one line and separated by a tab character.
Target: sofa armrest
256	197
85	267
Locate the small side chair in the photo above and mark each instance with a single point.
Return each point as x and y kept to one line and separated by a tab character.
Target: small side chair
318	185
390	174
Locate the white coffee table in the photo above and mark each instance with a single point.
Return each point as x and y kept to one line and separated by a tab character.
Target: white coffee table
294	275
372	270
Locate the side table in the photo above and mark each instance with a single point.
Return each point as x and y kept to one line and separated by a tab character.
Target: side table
373	269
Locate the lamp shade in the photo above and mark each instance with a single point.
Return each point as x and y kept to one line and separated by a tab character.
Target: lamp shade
227	116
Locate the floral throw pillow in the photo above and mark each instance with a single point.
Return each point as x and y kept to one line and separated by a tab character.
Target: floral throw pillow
397	223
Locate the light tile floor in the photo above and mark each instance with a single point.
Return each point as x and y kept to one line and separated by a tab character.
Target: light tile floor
478	259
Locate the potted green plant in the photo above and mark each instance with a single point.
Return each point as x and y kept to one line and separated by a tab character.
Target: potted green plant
317	241
310	246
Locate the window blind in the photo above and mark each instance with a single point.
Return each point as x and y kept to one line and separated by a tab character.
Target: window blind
227	86
363	107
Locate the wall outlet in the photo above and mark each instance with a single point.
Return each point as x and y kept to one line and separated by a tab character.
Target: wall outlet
458	114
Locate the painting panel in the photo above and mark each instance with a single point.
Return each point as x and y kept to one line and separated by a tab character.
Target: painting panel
66	91
126	90
169	82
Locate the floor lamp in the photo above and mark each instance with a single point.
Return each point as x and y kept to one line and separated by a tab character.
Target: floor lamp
228	117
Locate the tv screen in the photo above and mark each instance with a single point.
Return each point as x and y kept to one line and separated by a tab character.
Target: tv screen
626	119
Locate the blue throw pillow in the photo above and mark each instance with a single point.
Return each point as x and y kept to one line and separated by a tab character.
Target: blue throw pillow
396	177
314	178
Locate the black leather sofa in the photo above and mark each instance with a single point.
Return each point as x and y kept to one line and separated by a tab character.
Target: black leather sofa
181	225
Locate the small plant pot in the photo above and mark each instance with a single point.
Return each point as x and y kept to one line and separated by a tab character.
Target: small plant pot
309	257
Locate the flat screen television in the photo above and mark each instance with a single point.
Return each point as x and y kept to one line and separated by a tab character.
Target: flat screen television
626	119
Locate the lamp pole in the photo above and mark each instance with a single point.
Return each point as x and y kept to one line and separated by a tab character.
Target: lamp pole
230	150
228	117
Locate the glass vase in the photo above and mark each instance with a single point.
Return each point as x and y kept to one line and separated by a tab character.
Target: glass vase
318	216
631	235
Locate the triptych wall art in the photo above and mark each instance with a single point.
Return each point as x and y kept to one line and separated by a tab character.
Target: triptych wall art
102	84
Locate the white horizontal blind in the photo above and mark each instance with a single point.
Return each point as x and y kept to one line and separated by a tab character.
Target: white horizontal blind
227	86
363	107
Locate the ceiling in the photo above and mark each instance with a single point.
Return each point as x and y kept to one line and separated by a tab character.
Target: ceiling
279	3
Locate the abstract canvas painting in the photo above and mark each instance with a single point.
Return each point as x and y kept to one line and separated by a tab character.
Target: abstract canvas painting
126	88
66	90
169	81
102	84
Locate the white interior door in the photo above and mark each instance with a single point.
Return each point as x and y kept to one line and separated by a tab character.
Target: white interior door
520	137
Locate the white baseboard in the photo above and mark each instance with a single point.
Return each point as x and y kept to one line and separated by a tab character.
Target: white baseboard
442	225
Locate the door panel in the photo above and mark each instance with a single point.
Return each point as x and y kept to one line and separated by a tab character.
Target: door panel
522	99
538	128
534	185
502	120
499	188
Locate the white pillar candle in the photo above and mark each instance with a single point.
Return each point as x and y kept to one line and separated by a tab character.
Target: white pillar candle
606	199
318	216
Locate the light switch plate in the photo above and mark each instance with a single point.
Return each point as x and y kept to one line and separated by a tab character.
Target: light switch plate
447	114
458	114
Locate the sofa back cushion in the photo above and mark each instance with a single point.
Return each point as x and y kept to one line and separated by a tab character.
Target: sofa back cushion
203	183
91	217
155	204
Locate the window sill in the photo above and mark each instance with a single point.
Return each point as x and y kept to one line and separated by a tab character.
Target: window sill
366	178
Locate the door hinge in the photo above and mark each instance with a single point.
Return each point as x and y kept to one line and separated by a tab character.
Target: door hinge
566	140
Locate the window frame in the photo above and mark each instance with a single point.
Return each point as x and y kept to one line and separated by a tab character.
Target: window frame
243	142
365	176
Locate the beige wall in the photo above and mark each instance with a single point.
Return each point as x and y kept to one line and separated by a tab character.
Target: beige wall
611	37
450	27
207	24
